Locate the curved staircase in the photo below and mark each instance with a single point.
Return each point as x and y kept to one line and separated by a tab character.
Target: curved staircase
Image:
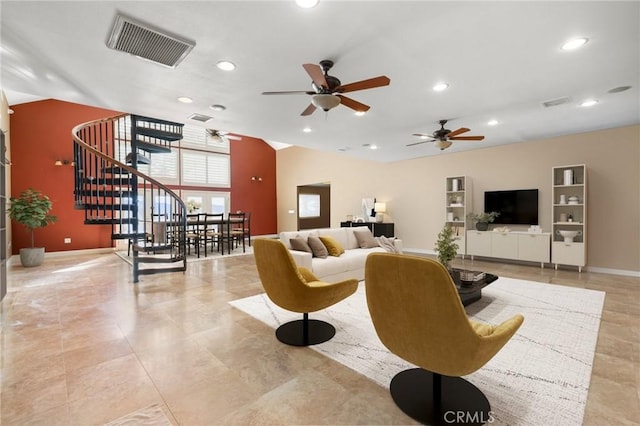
112	191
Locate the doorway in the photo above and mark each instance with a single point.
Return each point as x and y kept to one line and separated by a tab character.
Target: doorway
314	206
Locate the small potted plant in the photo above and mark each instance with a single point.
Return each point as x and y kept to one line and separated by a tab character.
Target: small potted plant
446	247
483	219
193	206
31	209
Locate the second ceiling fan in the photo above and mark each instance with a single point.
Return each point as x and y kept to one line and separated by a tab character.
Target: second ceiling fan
443	138
327	89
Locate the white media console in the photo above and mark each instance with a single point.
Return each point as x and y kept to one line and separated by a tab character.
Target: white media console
527	246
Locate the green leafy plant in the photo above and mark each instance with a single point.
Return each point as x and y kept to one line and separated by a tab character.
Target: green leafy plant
193	205
31	209
445	247
483	217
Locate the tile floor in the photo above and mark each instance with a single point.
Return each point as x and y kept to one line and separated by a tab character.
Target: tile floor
82	345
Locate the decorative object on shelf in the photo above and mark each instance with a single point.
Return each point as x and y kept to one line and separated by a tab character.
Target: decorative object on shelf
449	216
535	229
380	209
574	200
445	247
31	209
563	199
455	185
502	229
568	235
483	219
568	177
563	217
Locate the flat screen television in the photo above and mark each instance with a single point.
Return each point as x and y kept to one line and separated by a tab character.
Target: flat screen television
516	207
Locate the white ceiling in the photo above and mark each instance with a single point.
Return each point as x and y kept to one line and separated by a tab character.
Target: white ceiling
501	59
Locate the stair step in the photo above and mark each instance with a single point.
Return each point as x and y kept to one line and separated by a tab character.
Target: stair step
108	193
158	134
141	159
153	148
109	181
115	171
109	221
128	236
140	118
107	207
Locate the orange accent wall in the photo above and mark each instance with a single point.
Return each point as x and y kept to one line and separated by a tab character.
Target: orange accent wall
253	157
41	134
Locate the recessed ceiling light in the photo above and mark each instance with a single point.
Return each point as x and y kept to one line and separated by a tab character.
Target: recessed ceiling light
373	147
574	43
492	122
217	107
360	113
589	102
185	100
440	87
306	4
226	65
306	129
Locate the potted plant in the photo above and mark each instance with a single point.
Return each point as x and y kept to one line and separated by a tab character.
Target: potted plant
445	247
31	209
483	219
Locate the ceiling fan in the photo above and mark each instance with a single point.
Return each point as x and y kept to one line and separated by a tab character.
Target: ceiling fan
327	89
219	135
443	138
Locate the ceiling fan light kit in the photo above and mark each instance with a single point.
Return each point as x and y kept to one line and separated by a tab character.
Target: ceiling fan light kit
444	138
325	101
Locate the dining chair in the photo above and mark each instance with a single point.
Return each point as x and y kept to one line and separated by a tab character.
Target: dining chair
235	227
194	235
213	231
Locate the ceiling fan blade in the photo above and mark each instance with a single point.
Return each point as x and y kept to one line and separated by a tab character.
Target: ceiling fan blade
467	138
353	104
457	132
417	143
316	74
423	136
290	92
309	110
364	84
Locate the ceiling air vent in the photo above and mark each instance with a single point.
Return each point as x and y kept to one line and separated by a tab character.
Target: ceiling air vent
137	38
200	117
556	102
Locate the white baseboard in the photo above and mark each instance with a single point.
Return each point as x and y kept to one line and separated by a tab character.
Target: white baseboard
621	272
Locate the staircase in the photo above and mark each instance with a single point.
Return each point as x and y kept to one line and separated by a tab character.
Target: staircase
112	191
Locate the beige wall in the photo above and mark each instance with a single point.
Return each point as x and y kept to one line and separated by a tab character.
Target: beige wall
415	189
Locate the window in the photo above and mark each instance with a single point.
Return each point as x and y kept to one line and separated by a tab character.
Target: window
206	169
211	201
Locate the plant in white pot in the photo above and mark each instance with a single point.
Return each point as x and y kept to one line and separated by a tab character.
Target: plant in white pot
31	209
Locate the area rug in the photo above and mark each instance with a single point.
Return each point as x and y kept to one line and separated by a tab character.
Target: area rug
540	377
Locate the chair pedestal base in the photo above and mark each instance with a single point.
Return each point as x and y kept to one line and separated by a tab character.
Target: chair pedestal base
293	333
460	401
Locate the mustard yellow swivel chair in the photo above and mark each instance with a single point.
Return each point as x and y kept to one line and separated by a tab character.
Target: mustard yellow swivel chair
298	290
418	315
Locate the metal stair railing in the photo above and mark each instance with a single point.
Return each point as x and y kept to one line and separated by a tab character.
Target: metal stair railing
114	193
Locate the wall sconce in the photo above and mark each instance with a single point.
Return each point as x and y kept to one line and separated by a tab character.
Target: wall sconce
258	178
380	208
65	163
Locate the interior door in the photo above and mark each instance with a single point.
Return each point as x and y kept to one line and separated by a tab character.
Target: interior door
314	206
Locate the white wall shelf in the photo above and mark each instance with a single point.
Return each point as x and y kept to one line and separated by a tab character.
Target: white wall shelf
457	205
569	213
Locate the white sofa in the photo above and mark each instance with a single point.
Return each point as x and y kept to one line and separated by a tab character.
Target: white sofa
350	264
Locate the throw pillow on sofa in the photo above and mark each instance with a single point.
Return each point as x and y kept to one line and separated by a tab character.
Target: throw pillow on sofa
317	248
365	238
333	246
300	244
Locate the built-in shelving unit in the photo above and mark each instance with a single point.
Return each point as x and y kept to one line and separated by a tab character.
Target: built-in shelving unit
569	214
458	204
